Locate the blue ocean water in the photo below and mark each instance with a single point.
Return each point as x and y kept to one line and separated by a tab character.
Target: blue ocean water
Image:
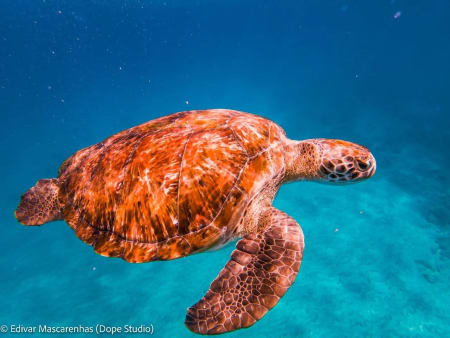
377	256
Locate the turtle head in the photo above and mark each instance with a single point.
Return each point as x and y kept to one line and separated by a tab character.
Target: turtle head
344	162
329	161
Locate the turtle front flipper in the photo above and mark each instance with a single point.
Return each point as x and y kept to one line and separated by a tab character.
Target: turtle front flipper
260	271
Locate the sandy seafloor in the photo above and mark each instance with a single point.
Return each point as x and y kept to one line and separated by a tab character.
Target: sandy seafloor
377	256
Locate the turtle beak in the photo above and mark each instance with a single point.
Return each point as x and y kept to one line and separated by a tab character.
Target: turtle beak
374	166
367	167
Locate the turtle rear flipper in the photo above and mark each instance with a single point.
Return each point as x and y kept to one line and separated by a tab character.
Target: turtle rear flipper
40	204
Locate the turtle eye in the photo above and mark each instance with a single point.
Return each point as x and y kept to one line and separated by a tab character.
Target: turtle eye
363	165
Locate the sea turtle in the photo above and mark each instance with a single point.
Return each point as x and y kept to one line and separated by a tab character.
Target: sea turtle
193	181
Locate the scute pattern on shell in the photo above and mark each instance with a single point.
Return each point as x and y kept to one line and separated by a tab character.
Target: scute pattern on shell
172	186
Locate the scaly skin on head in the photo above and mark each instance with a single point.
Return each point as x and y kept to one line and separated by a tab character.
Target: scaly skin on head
328	161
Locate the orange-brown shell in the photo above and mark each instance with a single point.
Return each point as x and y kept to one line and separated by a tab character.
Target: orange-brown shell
172	186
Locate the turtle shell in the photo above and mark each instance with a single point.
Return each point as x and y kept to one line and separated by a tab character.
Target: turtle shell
172	186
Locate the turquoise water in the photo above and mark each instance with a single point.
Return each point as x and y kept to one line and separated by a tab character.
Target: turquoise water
377	256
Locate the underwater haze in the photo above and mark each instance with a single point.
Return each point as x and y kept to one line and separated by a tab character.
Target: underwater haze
377	255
